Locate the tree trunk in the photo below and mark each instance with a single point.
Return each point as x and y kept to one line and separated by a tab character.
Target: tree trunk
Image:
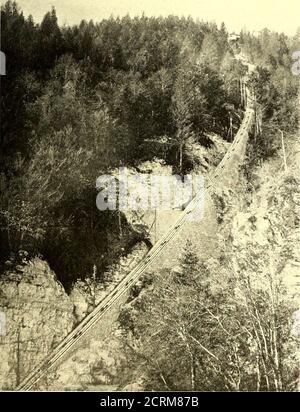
192	372
180	157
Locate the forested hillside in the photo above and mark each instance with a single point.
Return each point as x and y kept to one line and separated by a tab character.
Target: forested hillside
79	101
275	87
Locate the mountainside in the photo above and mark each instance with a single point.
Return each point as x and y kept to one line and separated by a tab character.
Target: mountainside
149	205
39	314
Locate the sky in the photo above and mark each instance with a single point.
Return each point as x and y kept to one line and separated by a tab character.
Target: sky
278	15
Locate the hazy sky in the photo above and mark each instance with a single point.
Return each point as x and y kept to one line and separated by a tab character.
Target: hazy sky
279	15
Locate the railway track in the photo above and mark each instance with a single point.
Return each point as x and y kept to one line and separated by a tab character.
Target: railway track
56	356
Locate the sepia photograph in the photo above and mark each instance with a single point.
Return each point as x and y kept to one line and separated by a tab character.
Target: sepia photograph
150	198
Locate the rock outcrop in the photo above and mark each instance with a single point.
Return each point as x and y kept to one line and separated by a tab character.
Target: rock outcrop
38	315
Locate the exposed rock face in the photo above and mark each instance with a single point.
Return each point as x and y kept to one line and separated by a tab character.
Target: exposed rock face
94	367
268	231
145	220
87	294
144	190
39	314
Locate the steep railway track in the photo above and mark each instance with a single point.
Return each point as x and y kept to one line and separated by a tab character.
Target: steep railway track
56	356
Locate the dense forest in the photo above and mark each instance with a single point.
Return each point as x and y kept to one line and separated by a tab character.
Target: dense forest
78	101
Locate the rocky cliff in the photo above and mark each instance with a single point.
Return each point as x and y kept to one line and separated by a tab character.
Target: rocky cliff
38	315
